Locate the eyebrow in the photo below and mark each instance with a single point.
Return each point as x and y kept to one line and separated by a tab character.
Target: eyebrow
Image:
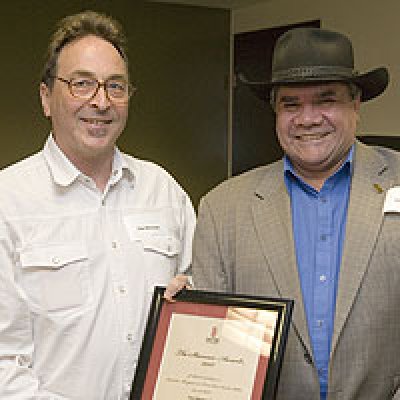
288	99
85	73
323	94
327	93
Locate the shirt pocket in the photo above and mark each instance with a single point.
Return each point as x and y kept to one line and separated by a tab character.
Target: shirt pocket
167	246
161	255
157	235
55	277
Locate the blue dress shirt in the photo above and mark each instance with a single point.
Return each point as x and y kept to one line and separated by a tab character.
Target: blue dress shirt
319	224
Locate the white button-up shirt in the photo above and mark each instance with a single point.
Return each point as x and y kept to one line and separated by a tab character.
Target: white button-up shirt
77	272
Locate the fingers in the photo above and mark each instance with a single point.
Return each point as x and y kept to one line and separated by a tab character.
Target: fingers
176	285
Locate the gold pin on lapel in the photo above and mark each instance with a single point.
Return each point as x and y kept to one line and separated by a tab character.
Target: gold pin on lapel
378	188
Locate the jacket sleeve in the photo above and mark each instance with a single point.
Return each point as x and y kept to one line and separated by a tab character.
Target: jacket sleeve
211	267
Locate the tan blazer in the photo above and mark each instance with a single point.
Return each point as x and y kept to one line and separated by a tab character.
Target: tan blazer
244	244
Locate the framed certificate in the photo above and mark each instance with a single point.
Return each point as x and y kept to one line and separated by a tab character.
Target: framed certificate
212	346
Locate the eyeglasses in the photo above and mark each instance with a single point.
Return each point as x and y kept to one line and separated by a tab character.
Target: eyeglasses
117	90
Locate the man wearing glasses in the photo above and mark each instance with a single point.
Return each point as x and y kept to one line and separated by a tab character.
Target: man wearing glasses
86	231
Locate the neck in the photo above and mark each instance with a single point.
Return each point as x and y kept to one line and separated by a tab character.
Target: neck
316	183
97	168
316	179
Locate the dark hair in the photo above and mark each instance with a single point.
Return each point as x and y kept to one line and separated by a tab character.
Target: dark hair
78	26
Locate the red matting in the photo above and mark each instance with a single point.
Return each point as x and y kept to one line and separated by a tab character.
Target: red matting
259	379
203	310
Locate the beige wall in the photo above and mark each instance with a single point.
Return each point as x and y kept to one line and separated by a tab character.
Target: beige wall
374	29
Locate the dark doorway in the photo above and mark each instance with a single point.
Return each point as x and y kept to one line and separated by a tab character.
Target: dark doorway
254	141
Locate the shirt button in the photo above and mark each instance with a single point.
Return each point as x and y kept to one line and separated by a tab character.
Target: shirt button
114	245
323	238
129	337
322	278
56	260
103	202
323	199
320	322
122	289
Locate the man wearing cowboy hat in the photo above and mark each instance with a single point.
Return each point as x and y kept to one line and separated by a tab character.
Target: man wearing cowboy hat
320	226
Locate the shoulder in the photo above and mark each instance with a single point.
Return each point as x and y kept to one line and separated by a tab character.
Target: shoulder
23	170
24	183
147	169
150	175
378	158
391	156
236	189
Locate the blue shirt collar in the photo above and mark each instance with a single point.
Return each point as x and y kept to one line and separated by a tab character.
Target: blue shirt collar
288	166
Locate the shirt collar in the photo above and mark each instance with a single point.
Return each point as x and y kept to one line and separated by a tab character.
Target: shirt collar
65	173
121	168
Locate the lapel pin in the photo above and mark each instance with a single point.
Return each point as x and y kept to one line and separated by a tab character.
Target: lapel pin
378	188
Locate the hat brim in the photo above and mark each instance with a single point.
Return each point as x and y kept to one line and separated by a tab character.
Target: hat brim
372	83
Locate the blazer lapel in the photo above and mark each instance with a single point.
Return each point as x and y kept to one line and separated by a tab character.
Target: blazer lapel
364	219
272	219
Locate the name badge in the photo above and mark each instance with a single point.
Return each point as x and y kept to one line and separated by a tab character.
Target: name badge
392	200
145	225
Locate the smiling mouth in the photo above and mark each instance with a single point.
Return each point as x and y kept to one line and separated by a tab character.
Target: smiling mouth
97	121
311	136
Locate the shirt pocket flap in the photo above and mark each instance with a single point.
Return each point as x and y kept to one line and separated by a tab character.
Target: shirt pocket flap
52	256
167	245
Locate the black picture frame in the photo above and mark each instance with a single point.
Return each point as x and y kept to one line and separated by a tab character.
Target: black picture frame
197	300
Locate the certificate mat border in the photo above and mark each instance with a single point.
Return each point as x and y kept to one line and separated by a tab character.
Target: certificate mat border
284	307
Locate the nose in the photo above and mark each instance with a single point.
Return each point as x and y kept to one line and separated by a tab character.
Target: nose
100	99
308	116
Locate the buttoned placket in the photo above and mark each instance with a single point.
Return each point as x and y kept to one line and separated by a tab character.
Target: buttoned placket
112	240
121	293
323	266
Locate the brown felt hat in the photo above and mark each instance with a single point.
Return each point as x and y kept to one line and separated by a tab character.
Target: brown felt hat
306	55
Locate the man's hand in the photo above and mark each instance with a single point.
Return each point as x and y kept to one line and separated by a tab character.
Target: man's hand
176	285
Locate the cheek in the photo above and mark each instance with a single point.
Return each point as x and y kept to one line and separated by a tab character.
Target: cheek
347	126
282	130
64	110
354	120
123	115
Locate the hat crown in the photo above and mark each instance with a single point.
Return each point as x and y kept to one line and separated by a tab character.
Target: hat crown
314	56
302	48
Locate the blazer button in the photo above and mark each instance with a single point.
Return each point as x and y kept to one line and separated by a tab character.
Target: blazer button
308	358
